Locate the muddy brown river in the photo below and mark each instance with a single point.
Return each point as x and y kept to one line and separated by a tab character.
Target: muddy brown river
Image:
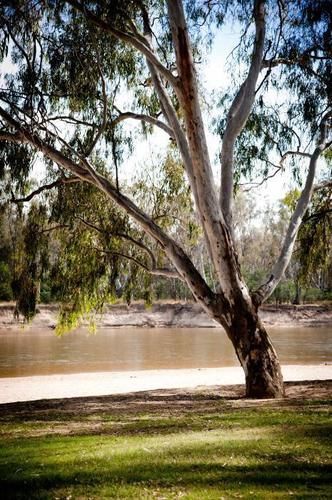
41	352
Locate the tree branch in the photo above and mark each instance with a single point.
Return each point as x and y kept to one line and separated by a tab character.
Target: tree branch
125	256
300	61
267	288
155	271
120	235
239	113
172	119
146	118
219	240
9	137
70	120
278	168
103	124
140	245
136	41
54	228
323	185
45	187
318	215
294	153
260	183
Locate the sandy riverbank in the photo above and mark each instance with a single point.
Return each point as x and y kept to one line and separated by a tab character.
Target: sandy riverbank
107	383
173	314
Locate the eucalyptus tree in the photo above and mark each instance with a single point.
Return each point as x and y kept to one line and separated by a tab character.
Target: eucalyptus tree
72	61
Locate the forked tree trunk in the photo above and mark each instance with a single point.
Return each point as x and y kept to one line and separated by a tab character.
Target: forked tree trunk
256	355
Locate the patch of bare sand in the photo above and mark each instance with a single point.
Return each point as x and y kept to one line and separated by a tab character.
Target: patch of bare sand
106	383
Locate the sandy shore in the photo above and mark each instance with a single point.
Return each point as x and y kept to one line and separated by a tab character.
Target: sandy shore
106	383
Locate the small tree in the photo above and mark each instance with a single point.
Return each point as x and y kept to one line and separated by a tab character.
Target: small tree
74	57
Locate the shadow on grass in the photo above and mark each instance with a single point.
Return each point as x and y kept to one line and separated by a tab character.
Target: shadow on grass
284	476
234	461
147	441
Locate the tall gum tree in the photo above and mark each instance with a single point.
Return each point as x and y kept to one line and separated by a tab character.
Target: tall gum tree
72	60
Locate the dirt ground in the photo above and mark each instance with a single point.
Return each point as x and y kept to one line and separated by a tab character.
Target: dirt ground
168	402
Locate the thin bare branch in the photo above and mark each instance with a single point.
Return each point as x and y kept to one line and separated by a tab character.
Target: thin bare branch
145	118
140	245
123	255
154	268
70	120
45	187
300	61
157	271
54	228
278	168
120	235
260	183
103	124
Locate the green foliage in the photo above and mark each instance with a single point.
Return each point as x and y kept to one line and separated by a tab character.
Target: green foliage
15	165
291	199
5	282
34	261
284	293
315	238
254	278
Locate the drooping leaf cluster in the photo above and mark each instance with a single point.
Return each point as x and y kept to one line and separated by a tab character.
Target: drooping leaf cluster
65	68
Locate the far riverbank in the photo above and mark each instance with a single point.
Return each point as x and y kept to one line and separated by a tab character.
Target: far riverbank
173	314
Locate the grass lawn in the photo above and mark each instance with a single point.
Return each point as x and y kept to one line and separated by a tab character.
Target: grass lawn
168	444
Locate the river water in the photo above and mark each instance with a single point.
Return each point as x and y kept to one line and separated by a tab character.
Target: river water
40	352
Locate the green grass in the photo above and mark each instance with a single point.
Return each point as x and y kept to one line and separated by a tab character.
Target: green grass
204	451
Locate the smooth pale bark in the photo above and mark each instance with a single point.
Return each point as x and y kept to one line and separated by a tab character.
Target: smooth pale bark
217	234
238	115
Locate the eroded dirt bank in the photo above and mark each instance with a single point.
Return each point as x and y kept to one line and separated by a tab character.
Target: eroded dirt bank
174	315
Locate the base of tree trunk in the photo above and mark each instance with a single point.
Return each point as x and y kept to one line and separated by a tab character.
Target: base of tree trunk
258	358
263	372
261	384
